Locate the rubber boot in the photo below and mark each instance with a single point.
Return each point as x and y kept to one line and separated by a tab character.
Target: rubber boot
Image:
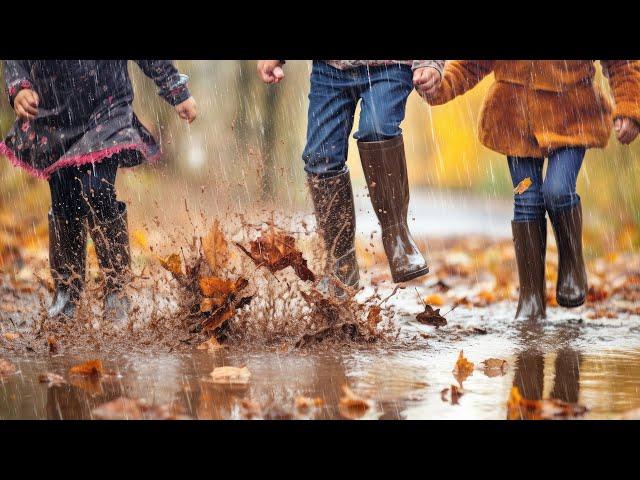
67	258
385	170
530	242
335	213
571	290
111	239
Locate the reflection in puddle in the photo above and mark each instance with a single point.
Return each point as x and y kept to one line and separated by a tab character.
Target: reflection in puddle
597	366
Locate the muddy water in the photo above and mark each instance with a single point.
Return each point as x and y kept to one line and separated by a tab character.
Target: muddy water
594	363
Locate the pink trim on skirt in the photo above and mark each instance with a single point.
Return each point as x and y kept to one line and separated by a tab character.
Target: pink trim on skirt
76	161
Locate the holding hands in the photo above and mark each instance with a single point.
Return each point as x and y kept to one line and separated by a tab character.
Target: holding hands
426	80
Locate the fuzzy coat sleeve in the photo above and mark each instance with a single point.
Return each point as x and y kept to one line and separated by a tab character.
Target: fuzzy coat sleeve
624	78
437	64
172	85
460	76
16	77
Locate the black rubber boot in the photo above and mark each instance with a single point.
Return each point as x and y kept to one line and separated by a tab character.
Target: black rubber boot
67	258
571	290
530	242
335	213
385	169
111	239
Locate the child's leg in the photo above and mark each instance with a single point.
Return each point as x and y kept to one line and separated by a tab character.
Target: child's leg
109	230
381	147
528	206
67	242
332	104
565	212
529	227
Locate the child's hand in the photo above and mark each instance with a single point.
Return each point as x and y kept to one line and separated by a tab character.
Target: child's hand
25	104
627	129
426	80
270	71
187	109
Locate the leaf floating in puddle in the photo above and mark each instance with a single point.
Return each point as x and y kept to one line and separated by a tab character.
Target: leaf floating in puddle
306	403
211	345
494	367
463	368
520	408
51	379
352	406
89	368
231	375
6	368
432	317
276	251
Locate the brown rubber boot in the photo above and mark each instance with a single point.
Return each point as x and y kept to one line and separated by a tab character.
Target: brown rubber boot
530	242
335	213
385	170
111	239
67	257
571	290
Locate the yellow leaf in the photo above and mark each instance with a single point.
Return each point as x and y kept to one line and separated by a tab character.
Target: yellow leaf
463	368
523	186
434	300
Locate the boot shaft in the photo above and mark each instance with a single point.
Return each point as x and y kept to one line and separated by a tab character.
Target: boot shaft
111	239
67	251
530	243
385	170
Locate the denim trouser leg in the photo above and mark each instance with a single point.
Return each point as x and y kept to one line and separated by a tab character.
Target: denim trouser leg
556	191
333	98
332	105
529	205
559	187
384	103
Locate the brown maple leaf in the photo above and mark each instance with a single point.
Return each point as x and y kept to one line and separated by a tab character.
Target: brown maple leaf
431	316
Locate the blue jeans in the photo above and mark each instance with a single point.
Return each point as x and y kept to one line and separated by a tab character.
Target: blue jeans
333	98
557	191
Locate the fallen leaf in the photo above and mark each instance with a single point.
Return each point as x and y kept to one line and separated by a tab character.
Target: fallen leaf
215	287
52	379
374	318
462	369
216	248
276	251
434	299
139	237
523	186
431	316
231	375
11	336
172	263
306	403
91	367
6	368
211	345
519	408
484	298
595	294
352	406
494	367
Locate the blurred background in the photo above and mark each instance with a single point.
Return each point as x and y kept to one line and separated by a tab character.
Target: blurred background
245	150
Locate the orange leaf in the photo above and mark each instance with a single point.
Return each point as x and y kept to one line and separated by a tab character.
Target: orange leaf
276	251
434	299
215	246
523	186
91	367
463	368
520	408
305	403
172	263
351	406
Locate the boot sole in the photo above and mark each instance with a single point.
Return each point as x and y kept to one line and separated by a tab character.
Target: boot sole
410	276
568	304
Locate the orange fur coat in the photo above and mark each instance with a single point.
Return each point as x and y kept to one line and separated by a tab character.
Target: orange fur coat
536	106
